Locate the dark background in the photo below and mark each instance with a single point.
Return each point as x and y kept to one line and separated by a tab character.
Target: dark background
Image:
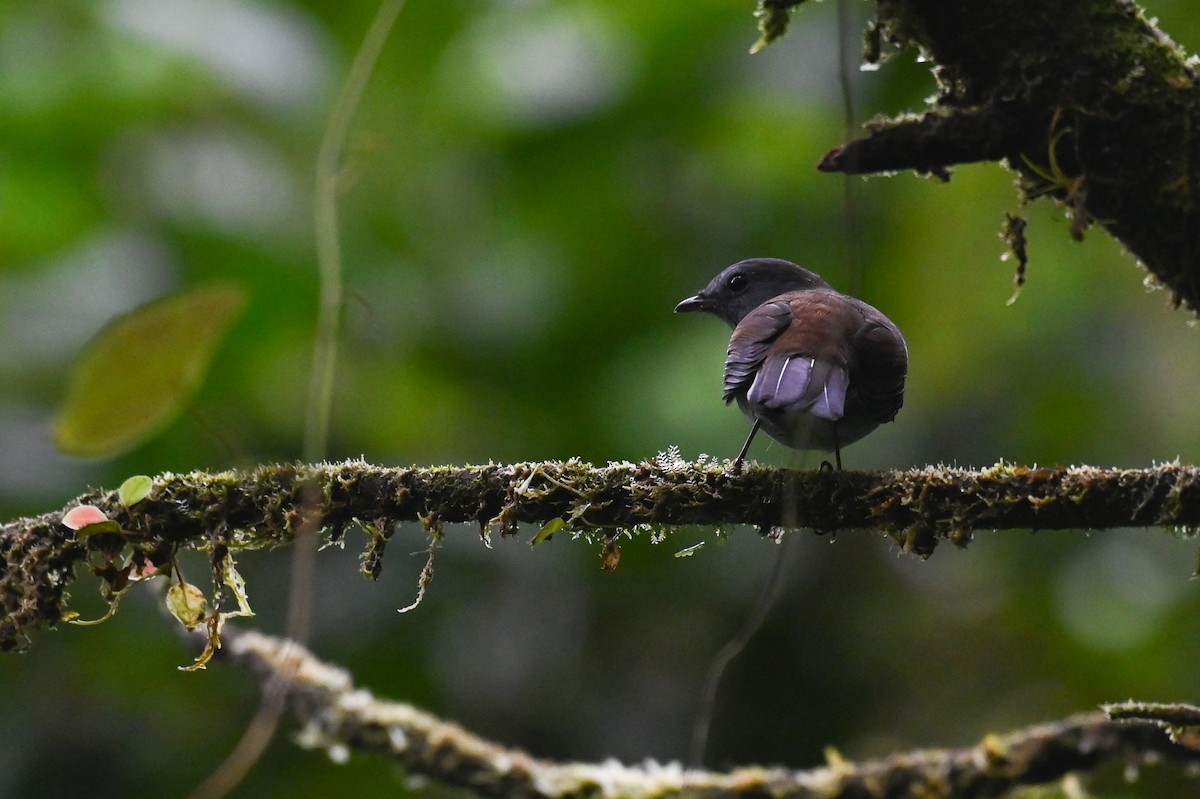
532	186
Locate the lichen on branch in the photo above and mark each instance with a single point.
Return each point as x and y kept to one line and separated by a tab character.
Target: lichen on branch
228	512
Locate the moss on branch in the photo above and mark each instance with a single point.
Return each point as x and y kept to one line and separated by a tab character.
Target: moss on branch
336	716
1089	101
234	511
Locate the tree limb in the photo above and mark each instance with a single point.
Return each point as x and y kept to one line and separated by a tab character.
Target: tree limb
1089	101
339	718
233	511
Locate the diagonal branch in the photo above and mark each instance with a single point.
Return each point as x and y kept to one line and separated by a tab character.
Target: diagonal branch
337	717
232	511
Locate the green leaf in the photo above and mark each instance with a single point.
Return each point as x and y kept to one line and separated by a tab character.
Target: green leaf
98	528
135	375
548	530
134	490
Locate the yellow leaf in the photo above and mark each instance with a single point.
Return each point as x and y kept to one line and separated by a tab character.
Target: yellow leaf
188	604
237	585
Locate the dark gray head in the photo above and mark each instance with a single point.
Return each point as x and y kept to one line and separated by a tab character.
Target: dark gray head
741	288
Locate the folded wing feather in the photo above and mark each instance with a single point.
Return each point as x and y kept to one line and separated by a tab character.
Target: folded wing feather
791	381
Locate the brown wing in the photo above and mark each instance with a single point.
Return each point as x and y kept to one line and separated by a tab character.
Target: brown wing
791	354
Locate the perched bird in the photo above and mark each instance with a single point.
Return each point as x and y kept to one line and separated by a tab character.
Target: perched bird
814	368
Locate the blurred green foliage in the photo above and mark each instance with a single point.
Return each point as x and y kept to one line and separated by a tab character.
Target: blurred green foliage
530	188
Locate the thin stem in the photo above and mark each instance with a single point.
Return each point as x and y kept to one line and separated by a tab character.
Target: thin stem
766	599
851	213
329	254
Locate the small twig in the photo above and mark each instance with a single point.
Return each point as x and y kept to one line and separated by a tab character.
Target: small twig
929	143
1167	714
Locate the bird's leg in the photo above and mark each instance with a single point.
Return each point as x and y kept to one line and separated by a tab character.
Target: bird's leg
837	448
826	466
737	464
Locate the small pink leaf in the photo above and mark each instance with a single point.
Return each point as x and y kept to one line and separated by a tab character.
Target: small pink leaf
81	516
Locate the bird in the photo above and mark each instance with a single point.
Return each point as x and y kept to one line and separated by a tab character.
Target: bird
810	366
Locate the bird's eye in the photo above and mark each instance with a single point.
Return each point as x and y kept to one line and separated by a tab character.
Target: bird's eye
737	283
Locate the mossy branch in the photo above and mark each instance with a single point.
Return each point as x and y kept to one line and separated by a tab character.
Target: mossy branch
336	716
232	511
1089	101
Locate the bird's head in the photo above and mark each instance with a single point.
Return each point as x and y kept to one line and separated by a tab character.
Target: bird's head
744	286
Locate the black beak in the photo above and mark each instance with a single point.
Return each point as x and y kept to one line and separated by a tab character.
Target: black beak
696	303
